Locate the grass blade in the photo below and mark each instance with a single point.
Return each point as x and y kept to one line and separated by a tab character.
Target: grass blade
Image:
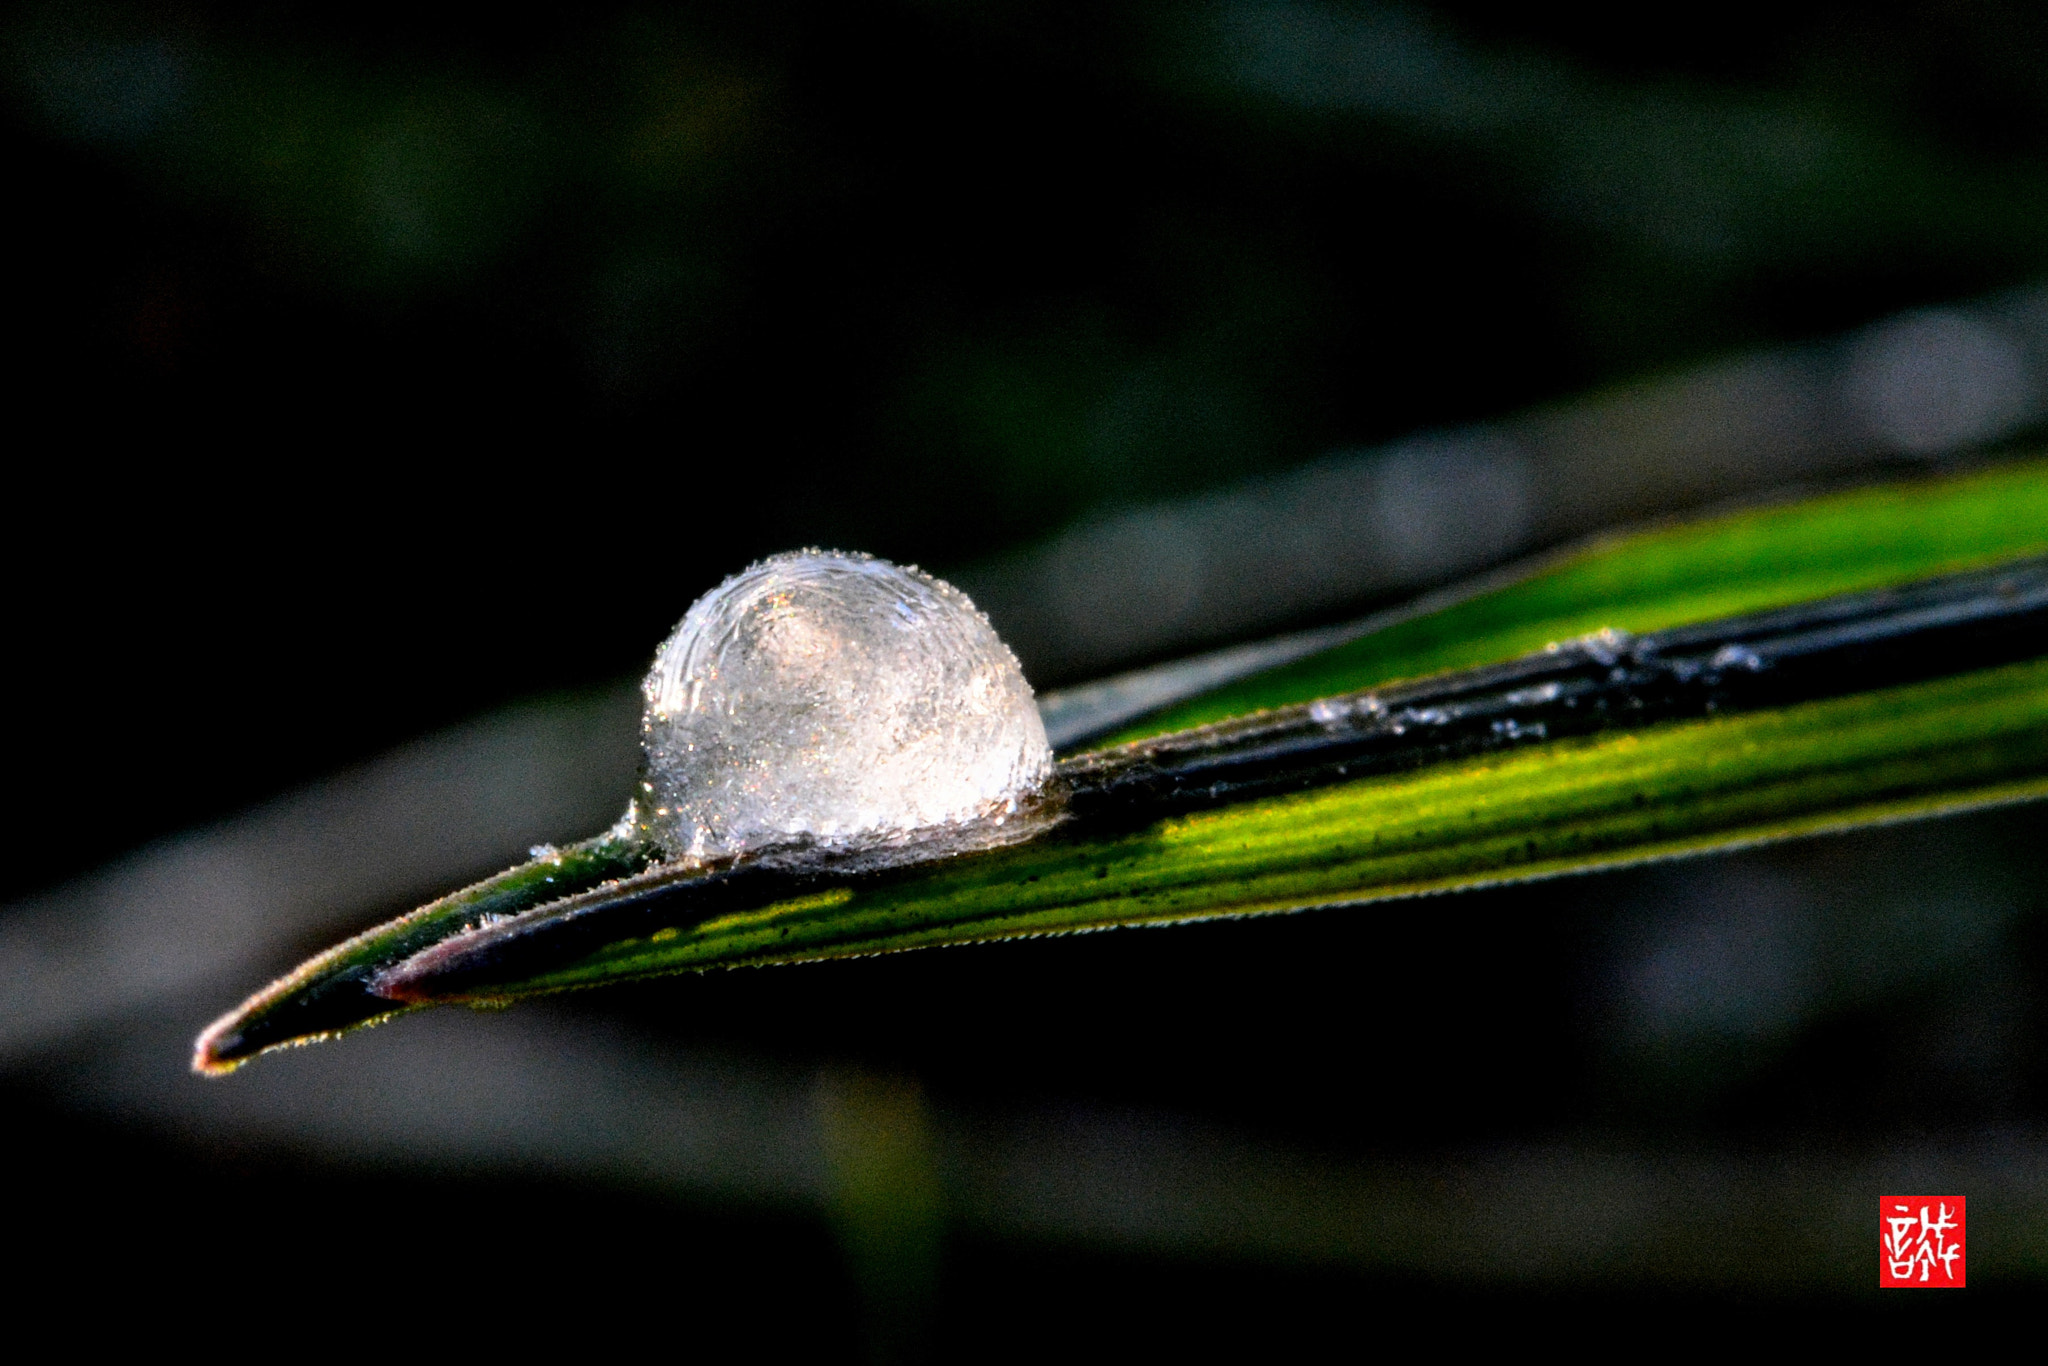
1748	561
1554	806
1898	638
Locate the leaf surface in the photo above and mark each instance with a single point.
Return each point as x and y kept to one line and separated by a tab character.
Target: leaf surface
1961	732
1746	561
1566	807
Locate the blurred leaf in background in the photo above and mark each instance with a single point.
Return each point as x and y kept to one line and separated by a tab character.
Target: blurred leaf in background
958	274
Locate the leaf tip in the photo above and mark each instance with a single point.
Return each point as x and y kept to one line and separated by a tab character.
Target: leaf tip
222	1047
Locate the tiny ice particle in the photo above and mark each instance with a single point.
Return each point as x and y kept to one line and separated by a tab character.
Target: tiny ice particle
835	701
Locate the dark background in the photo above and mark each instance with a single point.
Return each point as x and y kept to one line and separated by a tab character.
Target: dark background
375	366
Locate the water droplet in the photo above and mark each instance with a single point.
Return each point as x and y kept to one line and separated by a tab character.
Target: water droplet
1329	711
1606	645
1736	657
1535	696
822	700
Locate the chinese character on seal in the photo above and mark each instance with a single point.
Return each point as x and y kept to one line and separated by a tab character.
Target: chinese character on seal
1920	1242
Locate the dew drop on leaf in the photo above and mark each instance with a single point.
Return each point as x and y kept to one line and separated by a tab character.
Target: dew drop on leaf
836	701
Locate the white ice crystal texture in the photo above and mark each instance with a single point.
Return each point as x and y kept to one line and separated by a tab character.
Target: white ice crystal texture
822	700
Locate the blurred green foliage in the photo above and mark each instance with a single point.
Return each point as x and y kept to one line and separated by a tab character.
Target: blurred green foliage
476	291
1078	253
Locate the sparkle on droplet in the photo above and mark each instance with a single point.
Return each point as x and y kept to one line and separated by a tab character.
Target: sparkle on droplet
836	701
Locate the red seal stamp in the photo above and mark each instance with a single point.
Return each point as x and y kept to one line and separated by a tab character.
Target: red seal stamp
1920	1242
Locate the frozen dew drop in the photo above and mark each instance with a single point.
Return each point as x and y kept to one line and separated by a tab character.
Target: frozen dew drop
839	702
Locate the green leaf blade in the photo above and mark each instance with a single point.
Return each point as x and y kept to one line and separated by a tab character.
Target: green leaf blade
1683	788
1929	722
327	994
1748	561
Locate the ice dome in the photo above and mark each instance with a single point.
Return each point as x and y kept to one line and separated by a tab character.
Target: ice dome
835	700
